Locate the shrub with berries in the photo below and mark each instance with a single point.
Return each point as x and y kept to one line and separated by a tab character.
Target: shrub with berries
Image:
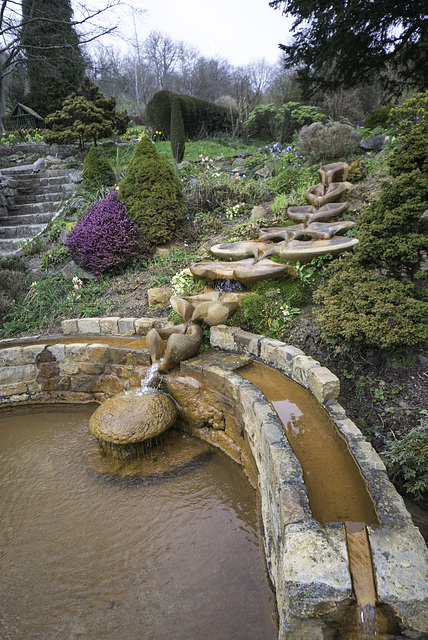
106	239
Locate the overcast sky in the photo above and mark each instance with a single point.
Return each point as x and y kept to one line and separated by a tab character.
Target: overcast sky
239	30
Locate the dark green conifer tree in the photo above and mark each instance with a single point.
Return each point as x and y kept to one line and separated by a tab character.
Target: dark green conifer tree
55	64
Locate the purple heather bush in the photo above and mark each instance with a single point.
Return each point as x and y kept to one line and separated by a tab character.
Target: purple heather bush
106	238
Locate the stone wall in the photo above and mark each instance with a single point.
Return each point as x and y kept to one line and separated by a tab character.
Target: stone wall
307	562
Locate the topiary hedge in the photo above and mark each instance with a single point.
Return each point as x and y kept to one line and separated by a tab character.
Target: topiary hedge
153	193
199	116
177	135
97	170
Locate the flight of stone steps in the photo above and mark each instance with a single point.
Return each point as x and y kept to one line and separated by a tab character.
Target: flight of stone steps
31	199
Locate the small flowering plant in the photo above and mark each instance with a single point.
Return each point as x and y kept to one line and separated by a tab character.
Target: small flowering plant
77	283
182	283
236	211
206	161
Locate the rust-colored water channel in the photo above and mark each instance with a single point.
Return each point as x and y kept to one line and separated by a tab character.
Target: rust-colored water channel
86	553
112	341
336	488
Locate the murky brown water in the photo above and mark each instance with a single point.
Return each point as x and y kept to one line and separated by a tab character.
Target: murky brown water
336	489
86	555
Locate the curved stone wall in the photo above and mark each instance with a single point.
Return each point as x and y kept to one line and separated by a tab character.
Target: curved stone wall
307	562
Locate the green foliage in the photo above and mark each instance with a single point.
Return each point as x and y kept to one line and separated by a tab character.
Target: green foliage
153	193
412	152
292	116
391	231
55	256
97	169
212	191
52	299
87	115
178	138
411	112
364	310
199	116
165	267
406	461
271	308
55	228
261	123
12	289
53	59
330	141
378	117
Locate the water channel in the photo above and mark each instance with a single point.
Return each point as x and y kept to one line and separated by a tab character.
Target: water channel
172	554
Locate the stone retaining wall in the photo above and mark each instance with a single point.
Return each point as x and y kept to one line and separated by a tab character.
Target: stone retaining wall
307	562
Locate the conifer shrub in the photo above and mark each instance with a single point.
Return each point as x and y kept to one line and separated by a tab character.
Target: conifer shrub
378	118
178	138
406	462
330	141
392	230
153	193
363	309
97	170
106	239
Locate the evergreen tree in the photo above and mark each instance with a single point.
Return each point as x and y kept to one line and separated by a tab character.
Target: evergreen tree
54	61
342	43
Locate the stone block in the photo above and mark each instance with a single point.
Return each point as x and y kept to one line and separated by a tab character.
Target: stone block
109	326
323	384
159	296
247	343
291	509
88	326
301	367
222	337
126	326
69	327
400	560
14	375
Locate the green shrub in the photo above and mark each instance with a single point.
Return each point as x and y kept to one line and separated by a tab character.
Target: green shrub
178	138
392	230
271	307
330	141
292	116
406	461
412	152
153	193
365	310
261	123
411	112
97	169
378	118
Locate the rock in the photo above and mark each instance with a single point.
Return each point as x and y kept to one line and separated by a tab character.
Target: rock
71	269
159	295
215	312
181	347
38	165
265	172
258	213
376	143
133	417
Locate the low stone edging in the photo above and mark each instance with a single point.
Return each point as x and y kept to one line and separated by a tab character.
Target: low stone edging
307	562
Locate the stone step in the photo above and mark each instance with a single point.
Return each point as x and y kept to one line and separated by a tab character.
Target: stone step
26	219
10	246
33	182
31	198
21	231
26	172
36	207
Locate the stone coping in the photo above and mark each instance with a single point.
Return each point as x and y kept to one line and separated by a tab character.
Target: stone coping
114	325
307	562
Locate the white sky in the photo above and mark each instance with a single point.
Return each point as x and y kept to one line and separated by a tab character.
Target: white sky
239	30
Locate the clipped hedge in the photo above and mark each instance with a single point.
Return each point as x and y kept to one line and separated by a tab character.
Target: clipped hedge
153	193
199	116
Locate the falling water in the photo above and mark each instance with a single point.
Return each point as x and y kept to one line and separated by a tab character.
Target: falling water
228	285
